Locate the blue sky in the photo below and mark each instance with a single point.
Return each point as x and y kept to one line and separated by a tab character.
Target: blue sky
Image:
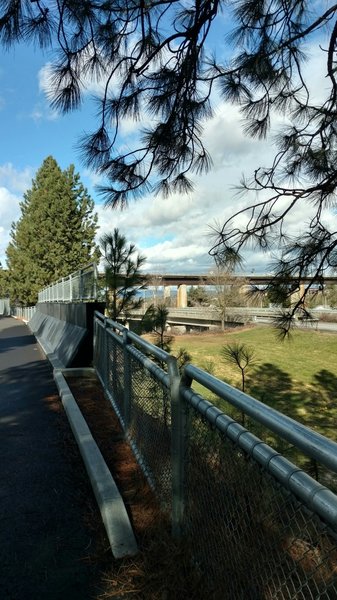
30	130
173	233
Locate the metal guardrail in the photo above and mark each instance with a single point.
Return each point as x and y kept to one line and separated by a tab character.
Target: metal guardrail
258	526
79	286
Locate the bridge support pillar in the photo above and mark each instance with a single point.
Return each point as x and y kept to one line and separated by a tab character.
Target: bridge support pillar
296	295
167	292
182	296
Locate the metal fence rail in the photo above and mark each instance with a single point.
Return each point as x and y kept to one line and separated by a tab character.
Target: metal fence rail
258	526
78	286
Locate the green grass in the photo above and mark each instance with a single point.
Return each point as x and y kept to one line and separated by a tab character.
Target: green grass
296	376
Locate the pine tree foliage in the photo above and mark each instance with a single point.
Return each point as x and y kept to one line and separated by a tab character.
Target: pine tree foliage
4	283
243	357
123	276
154	57
154	321
55	233
198	296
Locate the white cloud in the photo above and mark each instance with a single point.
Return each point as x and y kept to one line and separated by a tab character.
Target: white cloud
183	222
13	183
15	180
43	112
9	212
89	86
93	177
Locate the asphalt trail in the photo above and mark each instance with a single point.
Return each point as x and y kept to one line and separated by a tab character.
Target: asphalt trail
43	538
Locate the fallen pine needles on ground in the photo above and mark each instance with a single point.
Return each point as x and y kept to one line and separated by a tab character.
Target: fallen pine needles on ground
162	570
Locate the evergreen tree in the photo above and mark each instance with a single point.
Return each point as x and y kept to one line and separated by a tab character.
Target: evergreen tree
54	234
155	321
123	278
243	357
198	296
4	283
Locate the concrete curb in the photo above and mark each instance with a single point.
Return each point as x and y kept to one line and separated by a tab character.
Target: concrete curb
111	505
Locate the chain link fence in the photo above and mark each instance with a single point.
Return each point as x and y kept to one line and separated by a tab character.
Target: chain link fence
252	537
257	526
138	389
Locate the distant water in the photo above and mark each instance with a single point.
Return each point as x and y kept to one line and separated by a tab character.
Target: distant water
152	295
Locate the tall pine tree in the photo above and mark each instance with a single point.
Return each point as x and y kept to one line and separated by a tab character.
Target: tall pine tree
55	233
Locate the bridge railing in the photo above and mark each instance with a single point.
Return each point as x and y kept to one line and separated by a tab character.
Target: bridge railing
23	312
5	306
80	286
257	525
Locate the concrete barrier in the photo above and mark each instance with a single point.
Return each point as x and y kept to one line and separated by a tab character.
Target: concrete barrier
59	340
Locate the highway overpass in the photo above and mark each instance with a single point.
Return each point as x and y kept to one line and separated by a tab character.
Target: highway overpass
183	281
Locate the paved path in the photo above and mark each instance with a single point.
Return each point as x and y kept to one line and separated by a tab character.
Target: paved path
43	539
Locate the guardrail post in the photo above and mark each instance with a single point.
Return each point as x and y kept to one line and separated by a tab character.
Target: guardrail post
178	439
70	288
127	380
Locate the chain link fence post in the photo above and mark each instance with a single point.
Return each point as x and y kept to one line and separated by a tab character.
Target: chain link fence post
178	443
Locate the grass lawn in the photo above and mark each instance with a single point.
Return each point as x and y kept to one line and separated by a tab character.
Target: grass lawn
296	376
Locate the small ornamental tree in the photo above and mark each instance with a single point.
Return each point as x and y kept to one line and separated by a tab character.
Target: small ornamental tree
243	357
123	277
155	322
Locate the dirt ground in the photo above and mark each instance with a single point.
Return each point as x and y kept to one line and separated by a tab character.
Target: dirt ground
161	570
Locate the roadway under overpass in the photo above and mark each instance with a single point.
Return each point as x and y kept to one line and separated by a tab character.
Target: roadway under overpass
208	318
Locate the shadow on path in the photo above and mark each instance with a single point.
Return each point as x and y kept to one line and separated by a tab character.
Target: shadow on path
43	539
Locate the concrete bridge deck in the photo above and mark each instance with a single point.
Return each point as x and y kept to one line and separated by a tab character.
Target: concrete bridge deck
43	538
